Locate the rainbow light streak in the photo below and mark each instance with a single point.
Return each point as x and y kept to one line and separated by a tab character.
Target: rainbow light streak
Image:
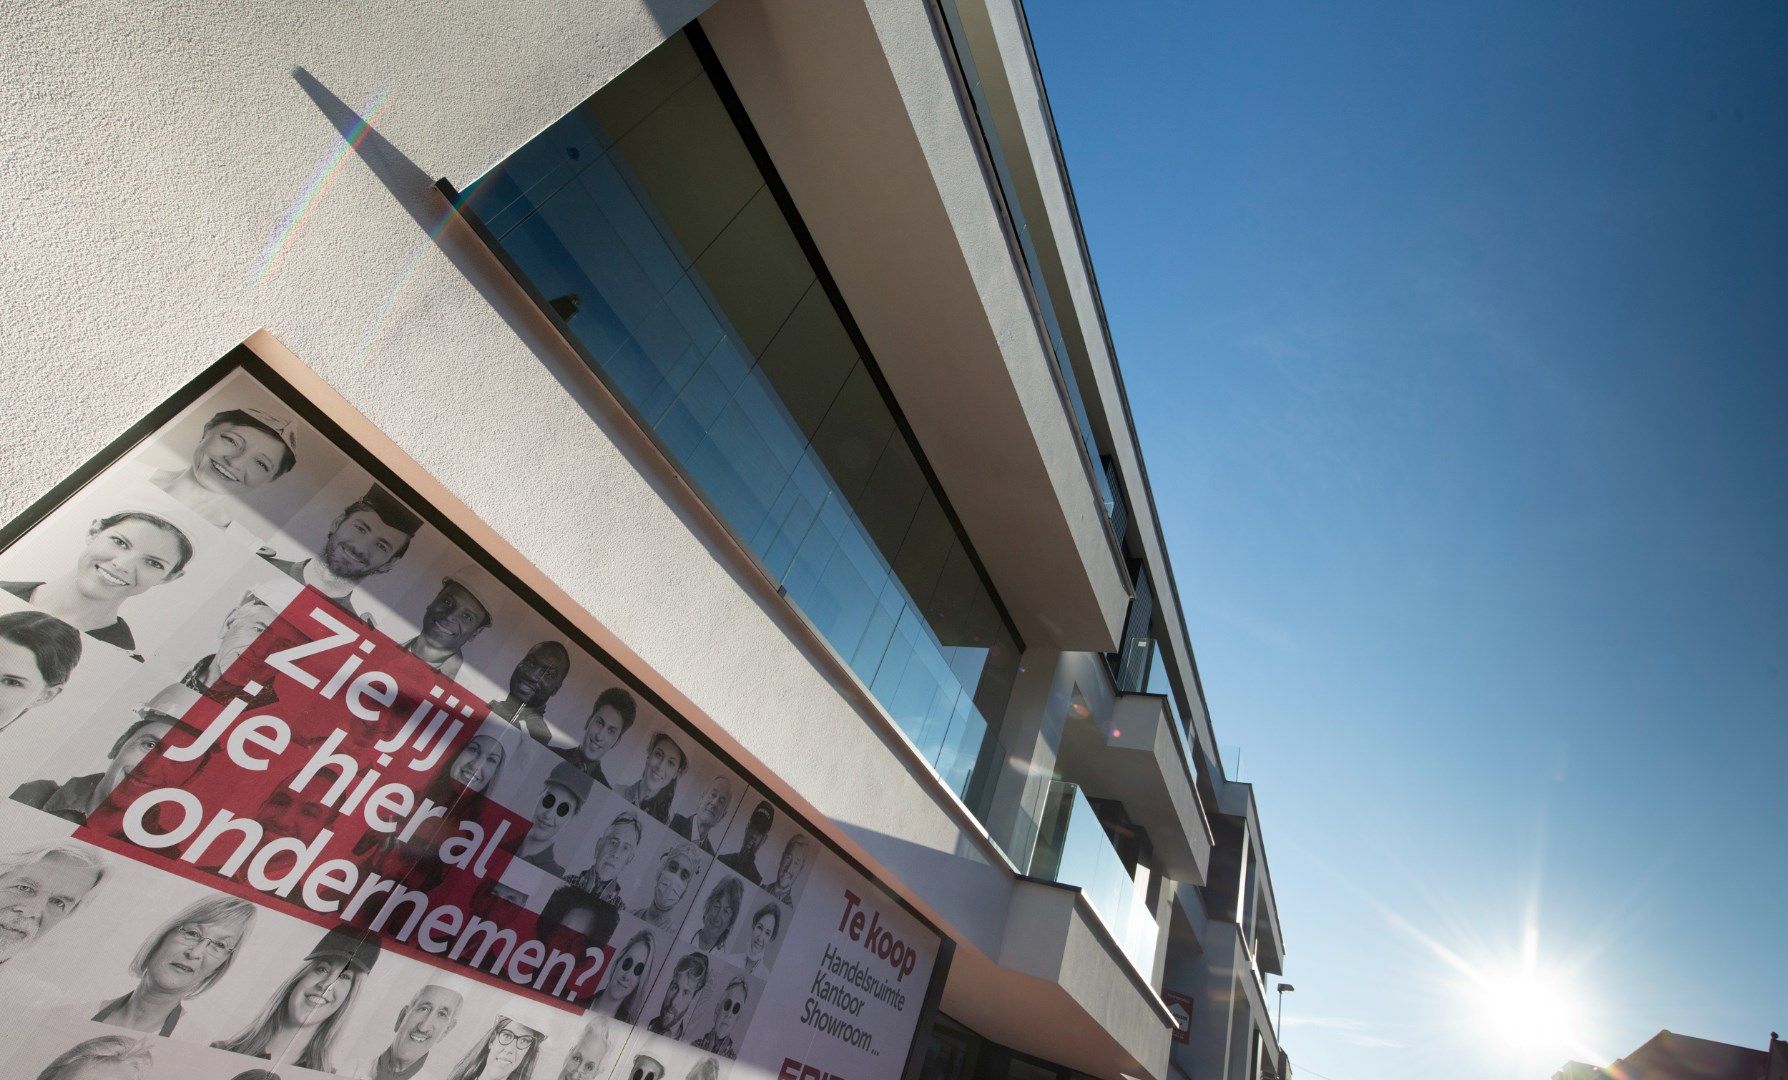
321	179
430	239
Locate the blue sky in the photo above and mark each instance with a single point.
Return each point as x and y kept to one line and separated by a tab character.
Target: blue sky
1458	344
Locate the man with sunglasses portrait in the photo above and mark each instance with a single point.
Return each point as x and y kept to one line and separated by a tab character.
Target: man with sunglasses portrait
719	1039
566	791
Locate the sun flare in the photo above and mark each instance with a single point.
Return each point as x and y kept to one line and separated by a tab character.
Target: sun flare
1530	1012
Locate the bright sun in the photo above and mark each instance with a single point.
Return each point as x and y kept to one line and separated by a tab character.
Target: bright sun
1529	1012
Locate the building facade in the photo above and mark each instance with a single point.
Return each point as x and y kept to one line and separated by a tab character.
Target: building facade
765	332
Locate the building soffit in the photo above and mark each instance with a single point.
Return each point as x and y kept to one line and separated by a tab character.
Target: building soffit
1021	102
860	115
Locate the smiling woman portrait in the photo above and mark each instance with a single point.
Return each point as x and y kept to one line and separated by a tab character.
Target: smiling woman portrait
182	959
307	1011
240	451
125	554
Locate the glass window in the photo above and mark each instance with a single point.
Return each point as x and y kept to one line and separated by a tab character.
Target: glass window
644	219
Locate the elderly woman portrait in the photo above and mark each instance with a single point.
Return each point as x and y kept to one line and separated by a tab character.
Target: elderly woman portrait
109	1057
304	1017
508	1052
125	554
239	451
38	653
182	959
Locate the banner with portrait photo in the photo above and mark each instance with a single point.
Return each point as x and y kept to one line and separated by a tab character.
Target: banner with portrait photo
303	781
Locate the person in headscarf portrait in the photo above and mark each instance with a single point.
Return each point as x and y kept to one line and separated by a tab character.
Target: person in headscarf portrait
108	1057
507	1053
686	981
464	607
39	888
609	719
536	678
614	852
38	653
181	959
239	451
657	783
365	539
126	554
129	771
306	1013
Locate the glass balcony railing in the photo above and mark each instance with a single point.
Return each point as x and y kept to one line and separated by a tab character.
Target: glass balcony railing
1232	763
644	224
1072	848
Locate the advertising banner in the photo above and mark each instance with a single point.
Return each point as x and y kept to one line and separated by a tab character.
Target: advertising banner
303	782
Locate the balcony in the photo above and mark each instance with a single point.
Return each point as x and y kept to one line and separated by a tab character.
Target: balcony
1138	757
1072	849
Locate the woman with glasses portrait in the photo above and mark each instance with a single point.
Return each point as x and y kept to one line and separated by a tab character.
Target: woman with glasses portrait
182	959
507	1053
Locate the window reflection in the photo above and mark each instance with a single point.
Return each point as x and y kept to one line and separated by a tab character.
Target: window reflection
645	221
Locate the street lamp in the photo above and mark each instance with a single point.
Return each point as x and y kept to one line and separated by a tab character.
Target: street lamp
1279	1026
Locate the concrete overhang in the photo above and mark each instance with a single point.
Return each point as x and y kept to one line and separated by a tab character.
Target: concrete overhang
1136	759
1237	800
858	108
1062	990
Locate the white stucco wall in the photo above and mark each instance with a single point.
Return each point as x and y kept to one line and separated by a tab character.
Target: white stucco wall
151	159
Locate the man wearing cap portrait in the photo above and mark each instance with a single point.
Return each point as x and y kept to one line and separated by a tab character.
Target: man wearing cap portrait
744	861
366	538
125	775
565	793
465	605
